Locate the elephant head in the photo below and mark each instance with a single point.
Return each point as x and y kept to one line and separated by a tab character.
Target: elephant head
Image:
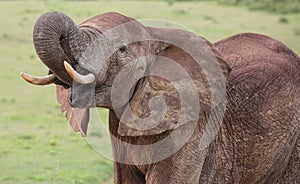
108	60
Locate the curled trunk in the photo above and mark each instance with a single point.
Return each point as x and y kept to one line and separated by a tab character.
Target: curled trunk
56	39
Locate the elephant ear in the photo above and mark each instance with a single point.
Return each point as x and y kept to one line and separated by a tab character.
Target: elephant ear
161	103
77	118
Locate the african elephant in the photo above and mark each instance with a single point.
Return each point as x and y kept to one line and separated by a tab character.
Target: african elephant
251	130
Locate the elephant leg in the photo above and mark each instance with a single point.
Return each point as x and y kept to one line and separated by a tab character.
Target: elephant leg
162	173
182	167
127	174
292	173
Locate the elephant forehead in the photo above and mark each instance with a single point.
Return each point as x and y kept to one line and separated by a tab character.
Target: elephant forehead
106	21
129	32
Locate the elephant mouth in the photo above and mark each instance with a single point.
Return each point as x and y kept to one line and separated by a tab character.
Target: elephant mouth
90	95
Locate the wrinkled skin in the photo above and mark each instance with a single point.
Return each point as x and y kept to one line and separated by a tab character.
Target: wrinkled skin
258	141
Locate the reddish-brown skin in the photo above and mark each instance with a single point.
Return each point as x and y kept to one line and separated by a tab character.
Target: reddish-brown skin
258	141
262	116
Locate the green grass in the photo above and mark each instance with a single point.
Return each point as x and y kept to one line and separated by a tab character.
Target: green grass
36	144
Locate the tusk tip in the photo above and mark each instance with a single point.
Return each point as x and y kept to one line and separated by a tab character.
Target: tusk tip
24	76
66	63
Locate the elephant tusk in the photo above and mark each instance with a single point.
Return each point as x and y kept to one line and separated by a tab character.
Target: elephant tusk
45	80
82	79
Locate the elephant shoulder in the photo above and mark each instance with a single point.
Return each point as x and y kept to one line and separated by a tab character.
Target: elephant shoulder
259	60
255	48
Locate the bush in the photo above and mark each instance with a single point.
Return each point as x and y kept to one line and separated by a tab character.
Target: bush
283	20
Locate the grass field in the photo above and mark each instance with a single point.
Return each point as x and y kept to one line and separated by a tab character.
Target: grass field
36	144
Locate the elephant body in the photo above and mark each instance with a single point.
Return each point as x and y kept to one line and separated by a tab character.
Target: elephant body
258	139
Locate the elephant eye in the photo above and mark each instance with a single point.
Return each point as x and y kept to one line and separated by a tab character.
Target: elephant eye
123	49
122	52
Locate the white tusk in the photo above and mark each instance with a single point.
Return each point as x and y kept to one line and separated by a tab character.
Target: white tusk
45	80
82	79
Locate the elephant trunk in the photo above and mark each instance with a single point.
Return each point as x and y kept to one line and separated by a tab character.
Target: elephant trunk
56	39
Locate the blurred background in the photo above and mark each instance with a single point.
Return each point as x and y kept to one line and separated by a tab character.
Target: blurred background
36	143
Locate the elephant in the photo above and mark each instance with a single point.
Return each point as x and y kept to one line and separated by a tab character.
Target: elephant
238	123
